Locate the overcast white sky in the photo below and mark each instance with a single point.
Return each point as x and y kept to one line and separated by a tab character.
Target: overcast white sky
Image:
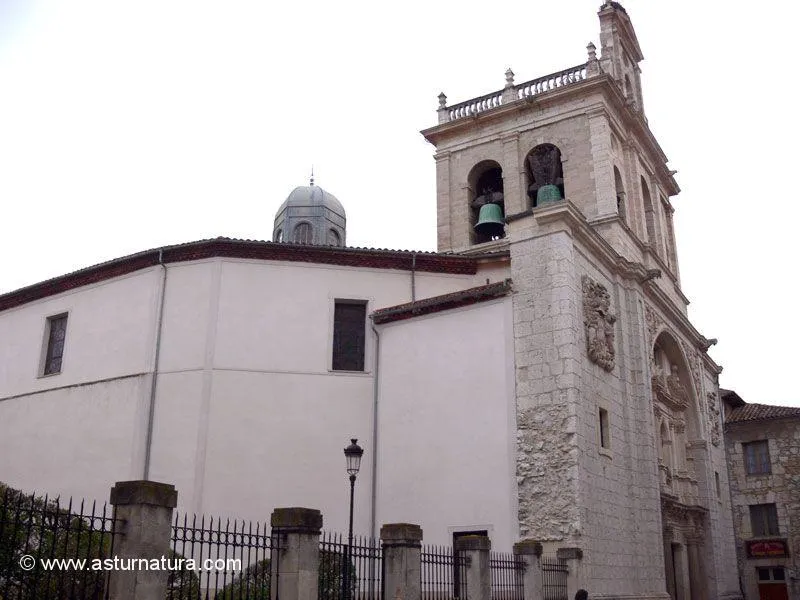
130	125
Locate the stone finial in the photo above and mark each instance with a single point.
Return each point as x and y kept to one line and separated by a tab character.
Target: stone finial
592	64
442	100
509	78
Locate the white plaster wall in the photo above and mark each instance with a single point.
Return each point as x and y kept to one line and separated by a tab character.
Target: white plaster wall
71	442
109	334
447	424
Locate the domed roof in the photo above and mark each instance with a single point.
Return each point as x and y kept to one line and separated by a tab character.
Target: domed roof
313	195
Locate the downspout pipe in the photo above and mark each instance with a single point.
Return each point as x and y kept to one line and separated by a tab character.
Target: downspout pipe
373	504
151	412
413	277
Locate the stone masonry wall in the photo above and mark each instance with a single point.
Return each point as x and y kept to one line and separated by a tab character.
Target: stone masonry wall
545	338
781	486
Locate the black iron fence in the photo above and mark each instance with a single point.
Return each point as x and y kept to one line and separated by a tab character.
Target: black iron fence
53	549
349	572
554	578
444	573
507	576
212	559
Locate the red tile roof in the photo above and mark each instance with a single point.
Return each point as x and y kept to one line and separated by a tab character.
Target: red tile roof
761	412
229	247
439	303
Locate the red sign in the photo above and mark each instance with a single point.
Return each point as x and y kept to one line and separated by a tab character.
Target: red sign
766	548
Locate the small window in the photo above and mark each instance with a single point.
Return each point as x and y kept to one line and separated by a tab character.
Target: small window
56	334
605	435
771	574
756	458
303	234
764	520
719	487
349	335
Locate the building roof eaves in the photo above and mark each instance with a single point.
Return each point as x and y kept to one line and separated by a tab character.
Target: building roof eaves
238	248
439	303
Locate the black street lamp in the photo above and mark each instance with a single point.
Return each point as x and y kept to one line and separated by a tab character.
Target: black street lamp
353	455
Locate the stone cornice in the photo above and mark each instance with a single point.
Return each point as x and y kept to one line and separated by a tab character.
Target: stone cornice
582	230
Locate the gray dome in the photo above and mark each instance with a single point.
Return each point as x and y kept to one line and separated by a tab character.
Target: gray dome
310	215
313	195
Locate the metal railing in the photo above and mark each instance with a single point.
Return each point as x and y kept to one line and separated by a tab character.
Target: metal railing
49	548
444	573
220	560
506	572
363	561
554	578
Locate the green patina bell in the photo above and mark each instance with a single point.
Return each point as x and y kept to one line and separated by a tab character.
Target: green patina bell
547	194
490	221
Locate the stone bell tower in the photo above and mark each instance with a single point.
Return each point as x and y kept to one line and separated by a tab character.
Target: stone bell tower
564	174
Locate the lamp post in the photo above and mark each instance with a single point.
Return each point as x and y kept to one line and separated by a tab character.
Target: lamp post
352	455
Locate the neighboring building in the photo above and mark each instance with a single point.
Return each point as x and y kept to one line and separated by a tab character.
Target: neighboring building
763	446
536	378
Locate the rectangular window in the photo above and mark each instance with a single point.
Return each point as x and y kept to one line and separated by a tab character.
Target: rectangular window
55	334
756	457
349	335
764	520
719	488
605	435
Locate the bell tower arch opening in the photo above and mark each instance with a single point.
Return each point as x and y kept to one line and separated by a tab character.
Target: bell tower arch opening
486	201
544	174
619	188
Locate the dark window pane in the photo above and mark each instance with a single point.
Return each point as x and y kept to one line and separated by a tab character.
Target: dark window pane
57	333
349	334
764	520
756	458
778	574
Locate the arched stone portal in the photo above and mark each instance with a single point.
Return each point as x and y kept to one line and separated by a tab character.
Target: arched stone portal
682	459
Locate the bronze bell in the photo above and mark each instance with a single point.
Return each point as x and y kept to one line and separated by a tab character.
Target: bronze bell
490	221
547	194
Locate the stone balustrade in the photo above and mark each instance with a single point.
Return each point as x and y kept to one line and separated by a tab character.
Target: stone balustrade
511	93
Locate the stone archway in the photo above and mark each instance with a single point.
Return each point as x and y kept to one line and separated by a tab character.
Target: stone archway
681	458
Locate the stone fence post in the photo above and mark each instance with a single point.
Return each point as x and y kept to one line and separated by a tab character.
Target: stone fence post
143	511
530	553
573	557
402	561
295	556
475	548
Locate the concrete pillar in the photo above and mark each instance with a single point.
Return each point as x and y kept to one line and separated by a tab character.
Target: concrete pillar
475	549
143	510
402	561
573	557
295	560
530	552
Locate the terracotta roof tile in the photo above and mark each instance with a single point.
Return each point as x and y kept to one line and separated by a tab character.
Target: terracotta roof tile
761	412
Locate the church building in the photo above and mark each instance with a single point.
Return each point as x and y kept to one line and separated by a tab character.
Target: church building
535	378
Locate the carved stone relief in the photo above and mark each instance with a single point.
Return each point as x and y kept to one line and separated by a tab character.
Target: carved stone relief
693	359
669	390
652	320
599	323
713	417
